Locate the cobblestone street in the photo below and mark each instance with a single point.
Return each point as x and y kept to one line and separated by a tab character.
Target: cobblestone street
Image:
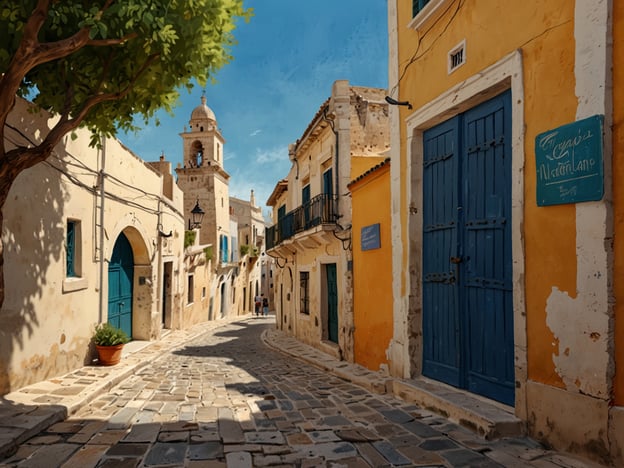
226	399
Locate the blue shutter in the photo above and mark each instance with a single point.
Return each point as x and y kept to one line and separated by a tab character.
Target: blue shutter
71	249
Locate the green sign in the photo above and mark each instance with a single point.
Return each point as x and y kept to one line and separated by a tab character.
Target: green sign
568	161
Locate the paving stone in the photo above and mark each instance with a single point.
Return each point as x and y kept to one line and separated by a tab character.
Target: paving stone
438	444
178	436
421	457
122	418
328	450
357	435
265	437
468	458
205	451
299	438
118	463
84	434
87	457
390	453
397	416
336	421
166	454
107	437
238	460
68	391
50	455
229	430
323	436
421	429
123	449
45	440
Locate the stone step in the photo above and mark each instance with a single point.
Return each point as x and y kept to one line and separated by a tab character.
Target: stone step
488	418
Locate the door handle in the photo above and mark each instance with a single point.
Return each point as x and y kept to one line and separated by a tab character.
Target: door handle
456	260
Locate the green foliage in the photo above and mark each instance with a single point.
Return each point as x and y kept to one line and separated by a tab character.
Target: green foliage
108	335
140	53
189	238
249	249
208	253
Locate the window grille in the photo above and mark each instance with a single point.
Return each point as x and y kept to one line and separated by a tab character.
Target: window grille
304	288
457	56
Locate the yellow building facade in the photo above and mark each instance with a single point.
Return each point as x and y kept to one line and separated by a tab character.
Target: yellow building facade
372	264
504	209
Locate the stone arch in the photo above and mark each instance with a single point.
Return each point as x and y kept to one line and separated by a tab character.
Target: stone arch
197	154
143	282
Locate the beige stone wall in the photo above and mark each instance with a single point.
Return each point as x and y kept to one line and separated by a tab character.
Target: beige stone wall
48	318
353	122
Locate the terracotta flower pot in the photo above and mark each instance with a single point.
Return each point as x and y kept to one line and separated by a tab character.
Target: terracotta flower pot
109	355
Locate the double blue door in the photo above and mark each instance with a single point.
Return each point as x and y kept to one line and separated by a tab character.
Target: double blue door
120	276
467	256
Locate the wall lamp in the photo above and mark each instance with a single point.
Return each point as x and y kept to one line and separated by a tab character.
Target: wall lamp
197	214
394	102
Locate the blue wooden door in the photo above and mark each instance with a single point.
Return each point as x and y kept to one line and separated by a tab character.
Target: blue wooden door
467	257
120	276
332	302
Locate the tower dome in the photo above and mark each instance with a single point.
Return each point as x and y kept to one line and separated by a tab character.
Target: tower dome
202	113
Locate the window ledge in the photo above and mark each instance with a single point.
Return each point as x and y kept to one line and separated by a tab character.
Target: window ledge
74	284
429	14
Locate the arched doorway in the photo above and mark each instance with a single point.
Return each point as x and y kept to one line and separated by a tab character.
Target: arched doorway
120	280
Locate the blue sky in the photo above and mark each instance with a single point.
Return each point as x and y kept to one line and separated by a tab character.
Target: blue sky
285	62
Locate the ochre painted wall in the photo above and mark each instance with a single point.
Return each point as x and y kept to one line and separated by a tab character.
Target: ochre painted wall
546	42
618	195
372	269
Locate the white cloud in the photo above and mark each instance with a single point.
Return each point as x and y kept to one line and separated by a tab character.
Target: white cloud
254	133
271	155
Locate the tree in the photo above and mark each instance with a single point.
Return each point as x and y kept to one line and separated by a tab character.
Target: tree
102	63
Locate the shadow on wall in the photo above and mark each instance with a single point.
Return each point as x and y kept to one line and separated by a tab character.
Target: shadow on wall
33	233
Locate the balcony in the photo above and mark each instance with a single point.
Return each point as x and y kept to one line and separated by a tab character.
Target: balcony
320	210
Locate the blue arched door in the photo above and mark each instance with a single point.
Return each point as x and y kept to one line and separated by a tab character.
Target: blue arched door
120	273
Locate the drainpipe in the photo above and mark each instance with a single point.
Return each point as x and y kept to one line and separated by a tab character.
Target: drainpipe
330	121
102	197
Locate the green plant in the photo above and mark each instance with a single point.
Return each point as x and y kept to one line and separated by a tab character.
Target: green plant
108	335
244	249
208	253
189	238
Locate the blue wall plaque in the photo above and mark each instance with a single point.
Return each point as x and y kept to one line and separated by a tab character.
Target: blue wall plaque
370	237
568	160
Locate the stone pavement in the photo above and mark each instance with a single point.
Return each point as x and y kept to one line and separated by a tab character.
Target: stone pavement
216	395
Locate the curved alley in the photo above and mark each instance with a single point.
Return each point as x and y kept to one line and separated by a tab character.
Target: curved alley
224	398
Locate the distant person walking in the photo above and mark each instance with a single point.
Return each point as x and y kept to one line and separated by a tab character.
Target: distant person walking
258	301
265	305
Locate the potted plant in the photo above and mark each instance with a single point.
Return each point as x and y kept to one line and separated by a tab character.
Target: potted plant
109	342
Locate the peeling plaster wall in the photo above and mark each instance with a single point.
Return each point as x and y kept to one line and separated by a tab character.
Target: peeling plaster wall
581	319
557	67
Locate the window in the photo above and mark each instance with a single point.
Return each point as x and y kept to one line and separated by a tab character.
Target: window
418	5
304	291
74	281
457	56
190	291
70	249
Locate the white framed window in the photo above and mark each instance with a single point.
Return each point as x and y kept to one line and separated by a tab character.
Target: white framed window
73	280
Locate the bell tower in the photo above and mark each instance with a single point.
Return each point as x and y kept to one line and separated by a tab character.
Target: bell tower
204	181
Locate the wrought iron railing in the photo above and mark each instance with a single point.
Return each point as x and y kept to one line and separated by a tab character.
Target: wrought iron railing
321	209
